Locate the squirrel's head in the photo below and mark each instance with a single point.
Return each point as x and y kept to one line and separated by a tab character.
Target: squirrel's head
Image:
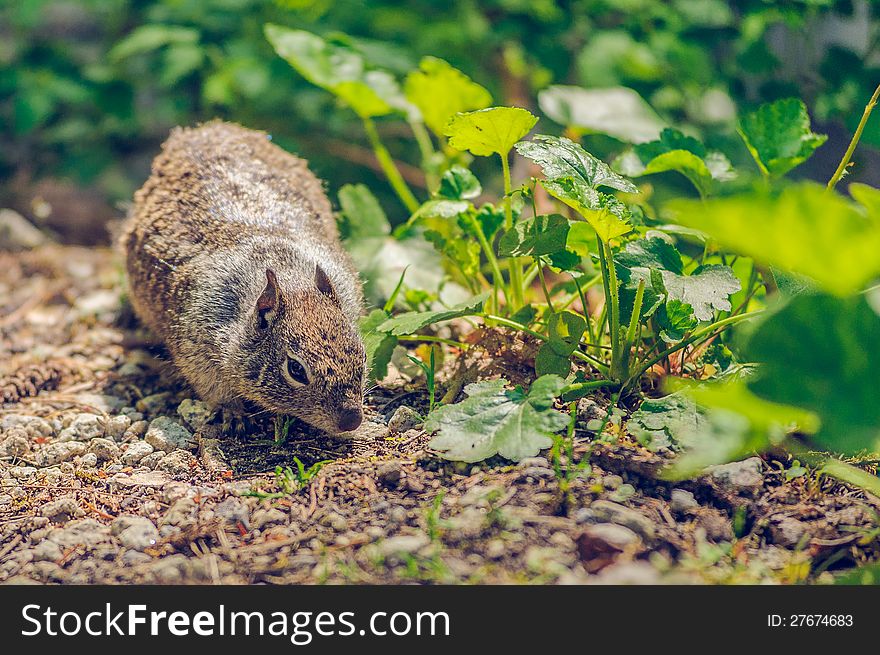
304	356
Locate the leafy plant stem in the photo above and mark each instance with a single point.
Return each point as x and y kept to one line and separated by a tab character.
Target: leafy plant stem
432	339
577	354
516	280
606	258
389	168
426	149
544	286
841	169
696	336
636	313
497	277
592	384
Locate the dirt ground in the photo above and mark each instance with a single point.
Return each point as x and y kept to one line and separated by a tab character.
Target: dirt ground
112	472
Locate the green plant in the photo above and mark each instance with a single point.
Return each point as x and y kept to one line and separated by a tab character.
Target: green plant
289	480
795	261
282	428
429	370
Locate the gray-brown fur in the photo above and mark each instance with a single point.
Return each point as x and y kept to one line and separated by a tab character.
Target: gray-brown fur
223	210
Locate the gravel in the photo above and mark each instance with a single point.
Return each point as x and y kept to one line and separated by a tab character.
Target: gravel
105	450
60	451
605	511
739	477
135	532
135	452
682	501
168	435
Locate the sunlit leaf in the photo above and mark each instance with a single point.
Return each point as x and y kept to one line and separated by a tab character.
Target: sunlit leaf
337	69
605	213
619	112
489	131
542	235
658	423
675	151
705	290
495	420
414	321
805	229
440	91
559	157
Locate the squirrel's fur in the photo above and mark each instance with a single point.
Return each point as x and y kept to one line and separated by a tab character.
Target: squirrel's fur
234	259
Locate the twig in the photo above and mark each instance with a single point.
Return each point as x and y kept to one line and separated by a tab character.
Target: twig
841	169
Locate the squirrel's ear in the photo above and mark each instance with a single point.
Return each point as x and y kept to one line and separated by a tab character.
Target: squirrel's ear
323	282
269	302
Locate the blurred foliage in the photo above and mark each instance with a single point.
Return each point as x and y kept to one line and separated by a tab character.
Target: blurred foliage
89	88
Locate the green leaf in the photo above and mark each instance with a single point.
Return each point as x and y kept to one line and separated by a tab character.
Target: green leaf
458	183
675	151
559	157
735	424
779	137
411	322
658	423
670	139
705	290
378	345
605	213
489	131
852	475
148	38
619	112
550	362
686	163
675	319
179	60
806	230
820	353
490	219
361	98
573	175
544	234
868	197
337	69
440	208
440	91
564	332
650	253
364	216
465	253
494	420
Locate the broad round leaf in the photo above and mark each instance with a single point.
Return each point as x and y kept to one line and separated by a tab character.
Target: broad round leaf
806	230
779	137
618	111
494	420
492	131
440	91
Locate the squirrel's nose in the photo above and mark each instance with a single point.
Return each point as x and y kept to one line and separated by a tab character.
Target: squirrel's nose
350	419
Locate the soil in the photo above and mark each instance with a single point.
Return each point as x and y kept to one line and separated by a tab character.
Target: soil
111	471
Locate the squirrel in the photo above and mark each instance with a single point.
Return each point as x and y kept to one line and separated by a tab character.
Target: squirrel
234	261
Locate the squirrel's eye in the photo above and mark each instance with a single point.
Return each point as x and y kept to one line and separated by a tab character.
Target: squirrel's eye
296	371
